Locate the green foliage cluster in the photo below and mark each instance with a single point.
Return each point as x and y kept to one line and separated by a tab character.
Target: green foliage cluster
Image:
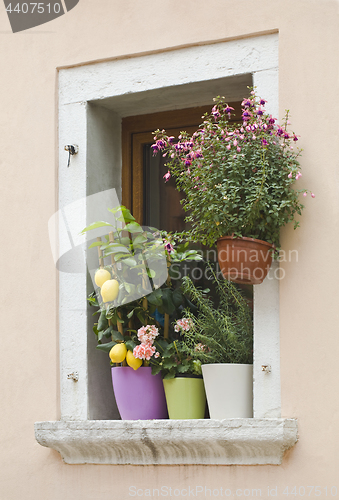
237	178
225	331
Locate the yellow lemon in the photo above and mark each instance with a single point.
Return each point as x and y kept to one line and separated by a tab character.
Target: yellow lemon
109	290
133	362
118	353
101	276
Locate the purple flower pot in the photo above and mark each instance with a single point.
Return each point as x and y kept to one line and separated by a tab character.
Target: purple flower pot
139	394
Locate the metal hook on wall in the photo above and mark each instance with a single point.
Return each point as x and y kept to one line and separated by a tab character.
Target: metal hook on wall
72	149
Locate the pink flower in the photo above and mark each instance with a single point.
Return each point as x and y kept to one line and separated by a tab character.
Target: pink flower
290	175
149	351
313	195
147	334
168	246
167	176
184	324
199	347
305	194
139	351
143	351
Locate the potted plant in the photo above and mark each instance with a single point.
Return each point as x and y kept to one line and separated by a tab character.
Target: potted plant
225	334
238	181
182	377
135	298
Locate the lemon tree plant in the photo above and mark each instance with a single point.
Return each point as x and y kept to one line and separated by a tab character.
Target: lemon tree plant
126	304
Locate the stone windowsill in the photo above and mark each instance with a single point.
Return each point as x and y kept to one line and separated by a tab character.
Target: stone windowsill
167	442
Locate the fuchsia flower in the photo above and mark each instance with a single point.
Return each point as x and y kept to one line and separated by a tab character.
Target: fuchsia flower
290	175
168	246
167	176
313	195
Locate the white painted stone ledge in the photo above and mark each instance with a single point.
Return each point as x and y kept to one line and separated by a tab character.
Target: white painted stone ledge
170	442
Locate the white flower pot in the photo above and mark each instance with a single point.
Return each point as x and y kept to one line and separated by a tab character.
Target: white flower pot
229	390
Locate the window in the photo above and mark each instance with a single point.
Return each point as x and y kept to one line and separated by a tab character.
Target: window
90	116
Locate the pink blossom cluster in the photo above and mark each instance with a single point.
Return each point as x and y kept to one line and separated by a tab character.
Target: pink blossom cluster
147	334
184	324
257	126
146	349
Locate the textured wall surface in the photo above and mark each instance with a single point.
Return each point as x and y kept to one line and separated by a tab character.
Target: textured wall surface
308	86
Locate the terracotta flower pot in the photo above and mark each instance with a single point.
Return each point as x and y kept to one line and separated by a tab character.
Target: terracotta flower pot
244	260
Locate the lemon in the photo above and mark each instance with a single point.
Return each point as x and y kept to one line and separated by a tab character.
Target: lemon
133	362
101	275
109	290
118	353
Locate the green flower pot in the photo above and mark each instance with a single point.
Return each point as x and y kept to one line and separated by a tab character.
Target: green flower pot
185	397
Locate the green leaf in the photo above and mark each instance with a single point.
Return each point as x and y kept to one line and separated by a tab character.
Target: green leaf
155	297
177	297
129	261
117	335
95	244
169	363
167	301
130	345
103	321
151	273
106	347
133	227
156	369
183	368
95	225
139	239
107	333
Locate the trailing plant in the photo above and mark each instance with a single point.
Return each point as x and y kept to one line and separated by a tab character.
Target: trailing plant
238	179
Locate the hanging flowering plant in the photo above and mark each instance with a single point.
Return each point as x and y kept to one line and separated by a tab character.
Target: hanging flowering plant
239	179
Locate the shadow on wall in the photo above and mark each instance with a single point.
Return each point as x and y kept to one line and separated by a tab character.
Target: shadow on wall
25	15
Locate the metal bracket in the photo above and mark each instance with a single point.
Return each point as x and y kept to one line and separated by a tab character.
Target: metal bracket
74	376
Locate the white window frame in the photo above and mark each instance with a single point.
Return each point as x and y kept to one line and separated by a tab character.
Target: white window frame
92	100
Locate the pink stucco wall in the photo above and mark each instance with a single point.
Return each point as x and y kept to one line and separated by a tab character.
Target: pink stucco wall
308	86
